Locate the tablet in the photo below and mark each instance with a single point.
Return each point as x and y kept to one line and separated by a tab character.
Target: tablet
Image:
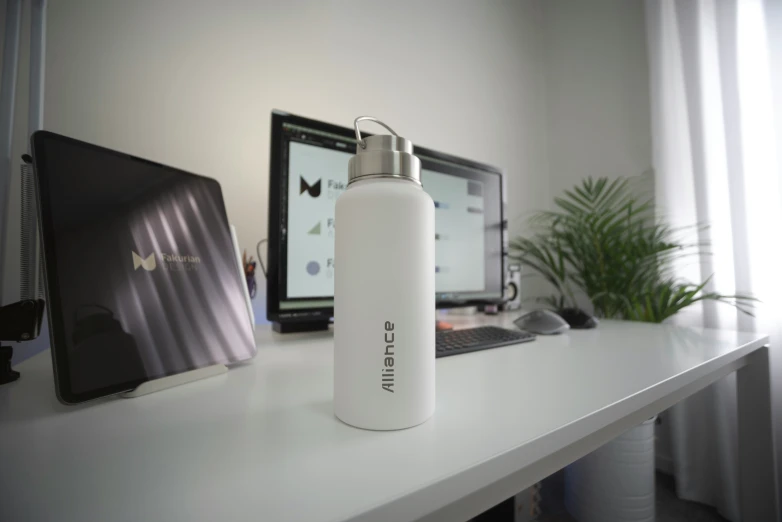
140	272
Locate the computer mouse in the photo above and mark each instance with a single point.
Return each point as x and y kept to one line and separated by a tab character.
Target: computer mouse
544	322
578	318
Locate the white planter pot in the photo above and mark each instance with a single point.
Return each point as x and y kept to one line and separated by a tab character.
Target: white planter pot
615	482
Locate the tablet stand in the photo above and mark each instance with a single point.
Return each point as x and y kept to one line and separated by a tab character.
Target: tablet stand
155	385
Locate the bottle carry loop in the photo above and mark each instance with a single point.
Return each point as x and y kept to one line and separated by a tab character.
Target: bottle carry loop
359	139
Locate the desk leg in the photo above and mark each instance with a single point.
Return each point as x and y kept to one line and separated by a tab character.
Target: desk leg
757	462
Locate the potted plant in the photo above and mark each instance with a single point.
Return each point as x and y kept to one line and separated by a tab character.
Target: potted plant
603	247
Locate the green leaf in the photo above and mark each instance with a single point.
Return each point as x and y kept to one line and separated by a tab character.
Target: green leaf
605	242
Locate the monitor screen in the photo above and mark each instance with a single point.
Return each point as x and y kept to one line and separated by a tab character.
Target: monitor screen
308	173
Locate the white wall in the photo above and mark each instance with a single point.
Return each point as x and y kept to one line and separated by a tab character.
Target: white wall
550	91
597	109
598	119
191	84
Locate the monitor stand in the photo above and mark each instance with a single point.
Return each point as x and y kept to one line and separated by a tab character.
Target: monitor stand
155	385
298	327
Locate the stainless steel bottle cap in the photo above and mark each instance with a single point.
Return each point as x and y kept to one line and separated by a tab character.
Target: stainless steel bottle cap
383	156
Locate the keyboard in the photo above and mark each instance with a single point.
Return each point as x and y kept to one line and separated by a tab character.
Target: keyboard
454	342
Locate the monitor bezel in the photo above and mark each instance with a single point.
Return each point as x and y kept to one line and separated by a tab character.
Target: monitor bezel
277	199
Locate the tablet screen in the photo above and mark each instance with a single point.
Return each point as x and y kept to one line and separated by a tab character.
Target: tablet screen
141	275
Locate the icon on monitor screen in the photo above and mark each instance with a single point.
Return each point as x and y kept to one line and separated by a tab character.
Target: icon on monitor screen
313	267
313	190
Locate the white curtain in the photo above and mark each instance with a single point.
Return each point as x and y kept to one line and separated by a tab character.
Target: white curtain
716	91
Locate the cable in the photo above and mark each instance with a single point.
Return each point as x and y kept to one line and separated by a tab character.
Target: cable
260	259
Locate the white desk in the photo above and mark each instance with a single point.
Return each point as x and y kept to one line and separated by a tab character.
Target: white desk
261	443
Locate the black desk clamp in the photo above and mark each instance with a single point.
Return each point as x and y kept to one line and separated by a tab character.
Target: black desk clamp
21	321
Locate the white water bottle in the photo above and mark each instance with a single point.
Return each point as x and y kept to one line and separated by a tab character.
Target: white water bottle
384	297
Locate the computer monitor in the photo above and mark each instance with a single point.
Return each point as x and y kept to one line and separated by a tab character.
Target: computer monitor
309	170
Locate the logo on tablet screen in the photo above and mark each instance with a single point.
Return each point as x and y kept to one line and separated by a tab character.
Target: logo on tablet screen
147	264
170	262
